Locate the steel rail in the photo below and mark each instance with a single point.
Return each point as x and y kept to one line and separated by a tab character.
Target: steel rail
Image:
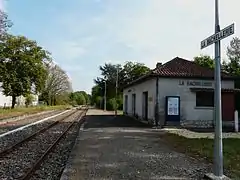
29	173
14	146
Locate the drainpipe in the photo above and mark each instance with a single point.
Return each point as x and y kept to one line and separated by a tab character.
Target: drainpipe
157	104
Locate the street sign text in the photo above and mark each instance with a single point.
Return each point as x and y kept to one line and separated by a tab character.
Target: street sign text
229	30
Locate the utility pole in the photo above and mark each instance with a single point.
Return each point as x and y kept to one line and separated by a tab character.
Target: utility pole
216	39
116	93
105	94
218	156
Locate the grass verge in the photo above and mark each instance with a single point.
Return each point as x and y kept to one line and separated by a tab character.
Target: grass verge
19	111
119	112
202	148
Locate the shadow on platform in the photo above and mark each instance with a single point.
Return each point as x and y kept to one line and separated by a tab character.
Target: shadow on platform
105	121
210	130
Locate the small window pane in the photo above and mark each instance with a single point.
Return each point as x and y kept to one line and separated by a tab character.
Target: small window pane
204	99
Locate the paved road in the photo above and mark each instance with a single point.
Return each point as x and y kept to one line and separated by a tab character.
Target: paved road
121	148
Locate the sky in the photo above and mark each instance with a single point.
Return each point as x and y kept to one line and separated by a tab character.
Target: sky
84	34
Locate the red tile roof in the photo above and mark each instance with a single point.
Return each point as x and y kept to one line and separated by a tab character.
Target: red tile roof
179	67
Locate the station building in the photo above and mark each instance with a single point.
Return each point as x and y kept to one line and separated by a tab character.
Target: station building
179	92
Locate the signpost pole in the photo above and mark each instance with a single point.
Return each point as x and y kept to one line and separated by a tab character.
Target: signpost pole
105	94
218	156
216	38
116	93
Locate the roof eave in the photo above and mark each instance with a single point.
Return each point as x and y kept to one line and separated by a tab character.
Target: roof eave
143	78
137	81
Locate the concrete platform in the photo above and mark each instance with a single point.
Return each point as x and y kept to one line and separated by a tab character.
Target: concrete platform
110	147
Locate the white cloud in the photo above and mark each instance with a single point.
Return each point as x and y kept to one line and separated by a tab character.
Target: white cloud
2	5
162	29
170	28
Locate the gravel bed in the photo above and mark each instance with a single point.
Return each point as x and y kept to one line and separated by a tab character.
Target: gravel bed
53	166
27	120
14	164
12	138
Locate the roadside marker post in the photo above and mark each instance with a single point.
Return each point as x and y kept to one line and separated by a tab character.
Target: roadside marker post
215	39
236	120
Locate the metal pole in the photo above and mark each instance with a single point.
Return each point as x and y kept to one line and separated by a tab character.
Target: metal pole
105	95
116	93
218	156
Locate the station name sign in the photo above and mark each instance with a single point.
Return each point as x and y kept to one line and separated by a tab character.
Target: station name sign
229	30
195	83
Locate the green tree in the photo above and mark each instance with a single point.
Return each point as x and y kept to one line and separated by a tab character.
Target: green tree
205	61
133	70
233	53
233	65
62	99
99	101
89	98
5	23
86	97
96	91
29	98
79	97
112	104
21	66
57	85
126	73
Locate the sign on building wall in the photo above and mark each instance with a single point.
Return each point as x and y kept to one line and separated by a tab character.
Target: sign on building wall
195	83
173	106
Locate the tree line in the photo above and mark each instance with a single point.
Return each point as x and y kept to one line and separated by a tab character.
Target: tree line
26	68
133	70
112	75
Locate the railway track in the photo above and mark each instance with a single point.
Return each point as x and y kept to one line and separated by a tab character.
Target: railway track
22	159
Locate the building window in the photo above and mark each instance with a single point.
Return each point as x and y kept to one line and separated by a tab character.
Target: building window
204	99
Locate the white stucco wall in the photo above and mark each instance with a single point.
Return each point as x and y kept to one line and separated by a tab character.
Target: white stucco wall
171	87
5	100
150	86
189	111
20	101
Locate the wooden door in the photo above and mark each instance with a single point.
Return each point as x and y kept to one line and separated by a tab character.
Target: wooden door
228	106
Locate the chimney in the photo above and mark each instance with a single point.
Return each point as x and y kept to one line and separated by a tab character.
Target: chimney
158	64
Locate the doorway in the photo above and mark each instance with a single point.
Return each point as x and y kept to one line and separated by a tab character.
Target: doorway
145	106
134	104
126	104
